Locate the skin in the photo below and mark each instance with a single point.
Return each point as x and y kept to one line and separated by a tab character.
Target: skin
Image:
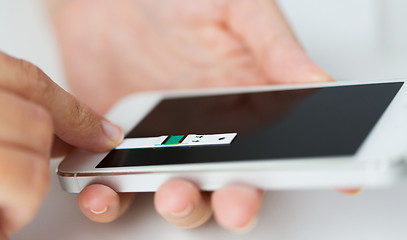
220	46
114	48
38	120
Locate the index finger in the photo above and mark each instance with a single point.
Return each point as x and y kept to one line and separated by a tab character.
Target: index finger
74	122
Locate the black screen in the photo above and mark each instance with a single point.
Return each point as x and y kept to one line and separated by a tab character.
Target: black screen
316	122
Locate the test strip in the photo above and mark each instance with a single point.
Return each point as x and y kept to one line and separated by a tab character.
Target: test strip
177	141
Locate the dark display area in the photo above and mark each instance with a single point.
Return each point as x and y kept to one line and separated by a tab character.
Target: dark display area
317	122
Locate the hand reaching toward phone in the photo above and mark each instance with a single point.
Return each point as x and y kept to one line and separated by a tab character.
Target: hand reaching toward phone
113	48
38	120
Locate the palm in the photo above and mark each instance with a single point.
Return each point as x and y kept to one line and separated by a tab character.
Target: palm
119	47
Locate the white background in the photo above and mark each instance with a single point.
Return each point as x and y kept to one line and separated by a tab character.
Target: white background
351	39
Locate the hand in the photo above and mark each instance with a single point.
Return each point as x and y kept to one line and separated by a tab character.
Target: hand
38	119
113	48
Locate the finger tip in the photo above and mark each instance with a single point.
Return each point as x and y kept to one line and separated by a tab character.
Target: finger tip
320	76
96	197
236	207
311	74
99	203
241	230
176	197
114	134
181	203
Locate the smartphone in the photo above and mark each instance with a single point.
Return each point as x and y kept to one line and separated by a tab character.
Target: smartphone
338	134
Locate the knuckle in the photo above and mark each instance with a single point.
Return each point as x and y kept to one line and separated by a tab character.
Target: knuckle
41	117
81	114
25	123
42	177
41	120
32	78
36	174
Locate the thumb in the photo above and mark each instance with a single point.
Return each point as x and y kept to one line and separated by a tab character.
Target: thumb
263	27
74	122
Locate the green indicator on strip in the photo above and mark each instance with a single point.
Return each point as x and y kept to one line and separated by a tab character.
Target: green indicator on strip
174	140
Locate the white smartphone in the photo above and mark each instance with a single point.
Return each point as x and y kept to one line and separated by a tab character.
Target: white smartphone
339	134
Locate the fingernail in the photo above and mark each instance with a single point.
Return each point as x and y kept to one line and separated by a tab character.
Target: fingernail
187	211
246	228
99	212
114	132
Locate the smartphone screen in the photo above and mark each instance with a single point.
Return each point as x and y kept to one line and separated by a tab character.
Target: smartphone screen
287	124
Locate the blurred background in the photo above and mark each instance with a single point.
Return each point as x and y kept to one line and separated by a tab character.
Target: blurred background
350	39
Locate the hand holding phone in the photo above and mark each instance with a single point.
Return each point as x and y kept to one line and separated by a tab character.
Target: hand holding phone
311	136
200	53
